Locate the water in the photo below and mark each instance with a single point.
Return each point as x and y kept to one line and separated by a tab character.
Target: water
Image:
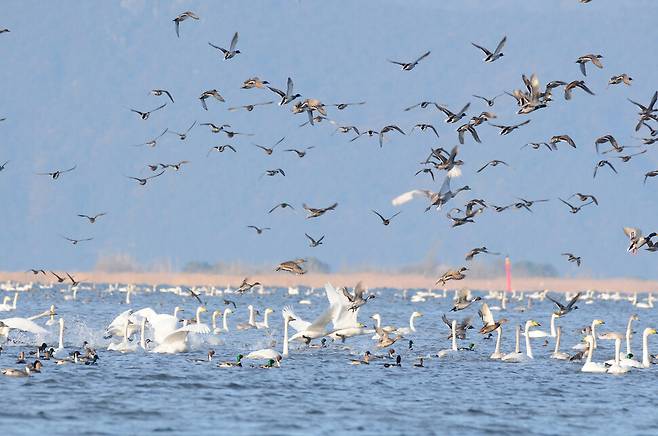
316	391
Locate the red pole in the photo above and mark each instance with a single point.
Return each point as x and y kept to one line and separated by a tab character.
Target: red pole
508	274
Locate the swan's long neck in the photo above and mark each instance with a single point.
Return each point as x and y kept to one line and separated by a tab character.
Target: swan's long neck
411	323
198	316
128	296
553	333
498	339
454	335
142	339
61	333
528	346
593	334
517	347
251	316
225	320
15	299
75	293
557	340
590	351
285	336
125	331
378	321
617	351
214	320
266	321
629	333
645	350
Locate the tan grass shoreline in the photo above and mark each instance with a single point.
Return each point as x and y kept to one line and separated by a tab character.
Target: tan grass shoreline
371	279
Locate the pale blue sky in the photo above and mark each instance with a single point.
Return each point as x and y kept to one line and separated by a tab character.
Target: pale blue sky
71	70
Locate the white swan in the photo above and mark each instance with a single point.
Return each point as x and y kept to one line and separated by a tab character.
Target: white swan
5	307
22	324
590	366
307	331
216	330
252	320
124	346
450	351
378	325
497	354
411	329
344	320
117	326
616	367
60	352
265	324
517	356
557	354
627	359
542	334
646	362
647	305
162	324
176	341
270	353
51	314
583	346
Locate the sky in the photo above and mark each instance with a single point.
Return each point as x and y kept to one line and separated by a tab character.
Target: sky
70	77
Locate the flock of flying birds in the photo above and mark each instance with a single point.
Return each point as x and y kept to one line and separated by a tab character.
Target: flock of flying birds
530	97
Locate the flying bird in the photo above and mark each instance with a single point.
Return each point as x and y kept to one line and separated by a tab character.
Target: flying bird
145	115
153	142
562	309
211	93
259	230
183	136
497	53
159	92
490	101
92	219
572	258
282	206
595	59
601	164
492	163
408	66
314	212
312	242
386	221
182	17
575	209
249	107
506	130
55	174
76	241
231	52
269	150
286	97
221	149
142	181
573	85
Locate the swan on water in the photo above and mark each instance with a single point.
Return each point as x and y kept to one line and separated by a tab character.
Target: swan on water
411	329
345	321
616	367
590	366
265	324
453	349
542	334
646	362
5	306
583	346
252	320
176	341
497	354
270	353
557	354
307	331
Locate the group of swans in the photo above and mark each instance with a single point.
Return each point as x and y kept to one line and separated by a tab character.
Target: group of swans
167	335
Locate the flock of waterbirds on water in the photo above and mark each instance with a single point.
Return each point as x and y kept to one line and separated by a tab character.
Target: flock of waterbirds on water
147	330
